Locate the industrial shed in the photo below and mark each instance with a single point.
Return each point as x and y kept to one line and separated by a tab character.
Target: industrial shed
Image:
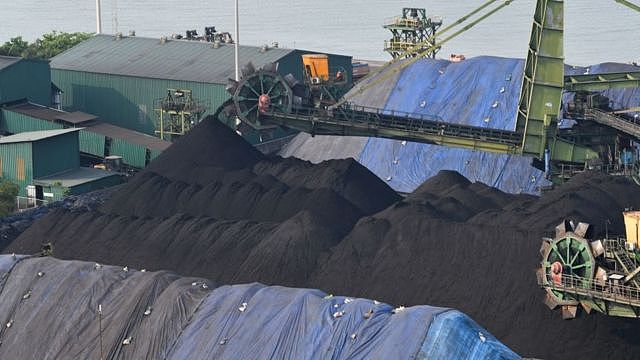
25	79
46	165
121	78
97	138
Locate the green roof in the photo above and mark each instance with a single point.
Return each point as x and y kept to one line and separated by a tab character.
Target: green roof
6	61
31	136
74	177
172	60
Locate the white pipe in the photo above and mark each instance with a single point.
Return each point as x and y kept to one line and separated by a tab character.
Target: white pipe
237	41
98	18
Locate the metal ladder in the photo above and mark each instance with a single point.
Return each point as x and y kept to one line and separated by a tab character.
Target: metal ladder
628	266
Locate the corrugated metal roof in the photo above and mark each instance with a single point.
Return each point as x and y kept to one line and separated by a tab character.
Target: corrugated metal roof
76	117
34	135
74	177
149	58
112	131
36	111
6	61
99	127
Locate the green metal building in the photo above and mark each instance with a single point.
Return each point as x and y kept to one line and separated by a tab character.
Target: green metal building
121	78
97	138
46	165
25	79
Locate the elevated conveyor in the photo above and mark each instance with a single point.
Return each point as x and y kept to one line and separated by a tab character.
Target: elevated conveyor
371	122
619	123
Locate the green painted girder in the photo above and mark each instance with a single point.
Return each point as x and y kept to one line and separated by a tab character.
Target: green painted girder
565	151
598	82
629	5
543	81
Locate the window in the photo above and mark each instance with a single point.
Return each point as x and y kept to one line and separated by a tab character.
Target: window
20	173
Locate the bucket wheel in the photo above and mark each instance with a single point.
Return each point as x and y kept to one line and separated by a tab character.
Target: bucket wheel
567	256
260	91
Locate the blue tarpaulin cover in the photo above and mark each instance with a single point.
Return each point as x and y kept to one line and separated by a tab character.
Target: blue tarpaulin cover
54	309
481	91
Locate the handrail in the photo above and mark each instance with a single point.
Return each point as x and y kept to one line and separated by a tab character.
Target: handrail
25	203
596	288
402	21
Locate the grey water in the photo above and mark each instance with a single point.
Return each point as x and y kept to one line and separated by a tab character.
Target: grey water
595	30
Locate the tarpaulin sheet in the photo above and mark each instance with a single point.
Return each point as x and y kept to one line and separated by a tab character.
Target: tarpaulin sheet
481	91
53	309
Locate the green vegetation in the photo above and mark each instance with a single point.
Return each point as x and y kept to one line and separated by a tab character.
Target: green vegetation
8	193
46	47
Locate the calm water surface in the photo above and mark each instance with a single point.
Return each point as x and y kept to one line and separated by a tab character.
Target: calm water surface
595	30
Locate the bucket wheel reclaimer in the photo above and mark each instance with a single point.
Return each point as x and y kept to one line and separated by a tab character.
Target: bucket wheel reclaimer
258	91
567	261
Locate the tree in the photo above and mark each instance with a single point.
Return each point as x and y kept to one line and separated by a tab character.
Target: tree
14	47
46	47
8	193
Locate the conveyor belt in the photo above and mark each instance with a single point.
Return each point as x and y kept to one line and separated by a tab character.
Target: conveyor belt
617	122
350	121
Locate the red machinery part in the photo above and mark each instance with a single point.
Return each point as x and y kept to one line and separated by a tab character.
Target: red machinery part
263	103
556	273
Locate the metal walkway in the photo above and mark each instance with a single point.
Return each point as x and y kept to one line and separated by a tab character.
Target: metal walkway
590	288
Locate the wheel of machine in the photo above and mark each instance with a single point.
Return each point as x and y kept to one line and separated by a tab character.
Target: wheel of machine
260	91
567	255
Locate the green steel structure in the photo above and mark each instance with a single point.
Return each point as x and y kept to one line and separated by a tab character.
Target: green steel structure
121	78
629	5
600	82
542	86
96	138
413	31
24	79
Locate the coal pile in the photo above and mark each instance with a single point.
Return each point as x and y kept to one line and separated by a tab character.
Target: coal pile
453	243
212	206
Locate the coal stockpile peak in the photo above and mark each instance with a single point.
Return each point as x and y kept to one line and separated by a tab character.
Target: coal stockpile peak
209	144
347	177
444	180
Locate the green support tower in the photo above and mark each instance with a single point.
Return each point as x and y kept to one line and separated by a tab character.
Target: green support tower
177	113
412	33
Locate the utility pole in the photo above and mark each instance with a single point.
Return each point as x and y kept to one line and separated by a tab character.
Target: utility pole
98	18
237	40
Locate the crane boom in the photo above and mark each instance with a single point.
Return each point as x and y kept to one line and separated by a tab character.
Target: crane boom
629	5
